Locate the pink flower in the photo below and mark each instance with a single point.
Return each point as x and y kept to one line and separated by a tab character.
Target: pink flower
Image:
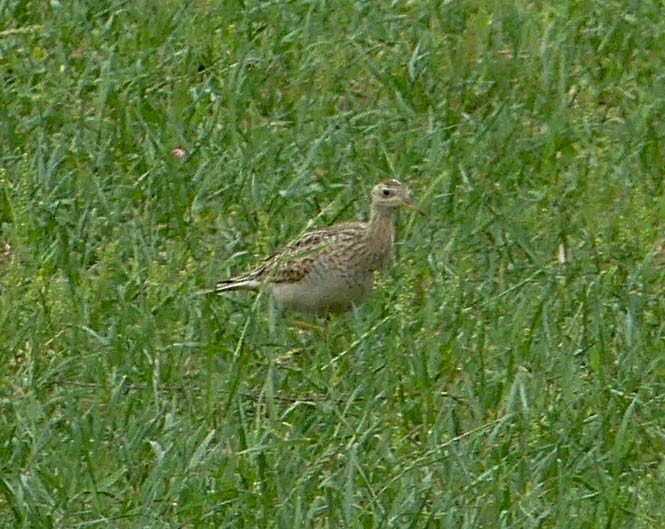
179	153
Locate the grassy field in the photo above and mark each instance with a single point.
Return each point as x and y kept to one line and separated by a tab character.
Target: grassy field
509	371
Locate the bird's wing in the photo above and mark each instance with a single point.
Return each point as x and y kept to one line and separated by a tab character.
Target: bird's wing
296	260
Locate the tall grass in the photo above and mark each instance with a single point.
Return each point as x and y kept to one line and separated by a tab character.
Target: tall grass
507	372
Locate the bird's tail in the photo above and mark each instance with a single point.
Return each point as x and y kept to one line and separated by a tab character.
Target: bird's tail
237	283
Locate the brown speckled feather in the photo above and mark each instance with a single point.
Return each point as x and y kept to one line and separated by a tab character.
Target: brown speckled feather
293	263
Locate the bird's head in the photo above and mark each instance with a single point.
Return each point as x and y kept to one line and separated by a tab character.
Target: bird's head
393	194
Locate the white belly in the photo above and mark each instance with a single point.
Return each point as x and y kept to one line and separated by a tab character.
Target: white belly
323	296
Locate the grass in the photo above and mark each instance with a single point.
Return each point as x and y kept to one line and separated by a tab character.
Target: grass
507	373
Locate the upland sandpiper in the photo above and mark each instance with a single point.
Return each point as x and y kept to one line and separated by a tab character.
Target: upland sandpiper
332	269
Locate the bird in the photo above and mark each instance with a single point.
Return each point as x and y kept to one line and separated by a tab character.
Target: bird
331	270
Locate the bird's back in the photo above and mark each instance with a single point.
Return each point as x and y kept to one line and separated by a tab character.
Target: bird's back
327	247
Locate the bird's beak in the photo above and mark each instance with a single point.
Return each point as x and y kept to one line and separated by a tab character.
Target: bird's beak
408	203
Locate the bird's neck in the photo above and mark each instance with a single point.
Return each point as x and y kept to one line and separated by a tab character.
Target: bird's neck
381	235
381	230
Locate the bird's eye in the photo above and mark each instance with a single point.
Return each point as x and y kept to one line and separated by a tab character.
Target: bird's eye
386	192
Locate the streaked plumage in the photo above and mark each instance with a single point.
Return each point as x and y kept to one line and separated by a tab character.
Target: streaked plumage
331	269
